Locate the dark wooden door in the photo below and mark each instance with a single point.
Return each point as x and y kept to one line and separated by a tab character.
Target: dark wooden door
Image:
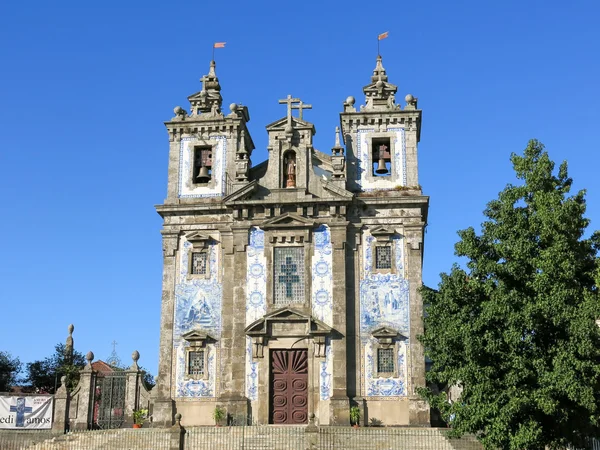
289	386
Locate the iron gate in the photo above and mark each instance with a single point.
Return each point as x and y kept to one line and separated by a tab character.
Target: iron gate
109	400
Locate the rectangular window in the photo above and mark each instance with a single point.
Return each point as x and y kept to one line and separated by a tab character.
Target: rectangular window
202	165
385	360
196	363
381	157
199	263
288	271
383	257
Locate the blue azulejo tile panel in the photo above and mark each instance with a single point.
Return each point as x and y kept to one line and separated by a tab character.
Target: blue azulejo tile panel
400	154
322	298
251	372
362	150
256	276
187	189
322	276
256	300
385	387
326	373
197	307
384	301
185	387
398	178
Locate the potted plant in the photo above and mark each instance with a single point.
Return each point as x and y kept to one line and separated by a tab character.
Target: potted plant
139	417
355	416
219	415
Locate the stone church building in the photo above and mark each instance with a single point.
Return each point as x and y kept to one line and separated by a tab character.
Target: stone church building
290	286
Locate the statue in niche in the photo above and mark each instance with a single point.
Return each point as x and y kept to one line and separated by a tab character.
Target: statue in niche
290	170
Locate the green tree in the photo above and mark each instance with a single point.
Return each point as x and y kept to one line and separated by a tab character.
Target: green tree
9	371
516	329
44	375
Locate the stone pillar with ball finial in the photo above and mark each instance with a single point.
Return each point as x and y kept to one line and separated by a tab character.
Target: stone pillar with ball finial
84	414
132	388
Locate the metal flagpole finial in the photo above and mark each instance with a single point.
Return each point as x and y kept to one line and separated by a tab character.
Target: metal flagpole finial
379	38
217	45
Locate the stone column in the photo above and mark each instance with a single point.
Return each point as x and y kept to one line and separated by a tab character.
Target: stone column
132	389
85	406
233	336
339	405
418	408
162	414
61	407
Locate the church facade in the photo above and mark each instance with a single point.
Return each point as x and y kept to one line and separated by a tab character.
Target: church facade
290	287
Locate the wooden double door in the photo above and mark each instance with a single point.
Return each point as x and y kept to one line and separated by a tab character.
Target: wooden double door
289	387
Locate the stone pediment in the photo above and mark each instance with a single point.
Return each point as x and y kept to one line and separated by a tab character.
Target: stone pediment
298	124
384	332
288	220
197	337
198	238
298	323
336	190
383	233
243	193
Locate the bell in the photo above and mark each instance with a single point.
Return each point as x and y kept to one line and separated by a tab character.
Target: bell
203	175
381	169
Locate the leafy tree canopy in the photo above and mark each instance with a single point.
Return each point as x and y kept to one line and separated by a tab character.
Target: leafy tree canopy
9	371
517	329
44	375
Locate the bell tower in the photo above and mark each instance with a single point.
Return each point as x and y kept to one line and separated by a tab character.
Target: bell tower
381	138
209	150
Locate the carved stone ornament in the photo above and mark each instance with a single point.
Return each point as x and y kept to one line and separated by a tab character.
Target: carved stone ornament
288	322
197	338
258	343
386	336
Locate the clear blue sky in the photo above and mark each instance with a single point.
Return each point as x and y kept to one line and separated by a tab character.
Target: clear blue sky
85	88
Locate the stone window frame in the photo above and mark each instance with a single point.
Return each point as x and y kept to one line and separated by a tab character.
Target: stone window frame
284	239
198	145
386	338
273	281
289	229
193	250
392	140
203	357
200	244
197	342
383	238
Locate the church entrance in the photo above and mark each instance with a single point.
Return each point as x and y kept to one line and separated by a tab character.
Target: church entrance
289	387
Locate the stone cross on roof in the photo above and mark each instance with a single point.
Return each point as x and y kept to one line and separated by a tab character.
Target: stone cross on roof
301	106
294	103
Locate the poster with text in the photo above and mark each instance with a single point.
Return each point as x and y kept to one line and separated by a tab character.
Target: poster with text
25	412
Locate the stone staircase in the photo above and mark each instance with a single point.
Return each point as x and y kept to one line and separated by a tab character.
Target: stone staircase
253	438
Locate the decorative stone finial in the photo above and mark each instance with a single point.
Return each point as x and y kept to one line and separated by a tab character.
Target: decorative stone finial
350	101
180	113
69	345
411	102
208	100
178	419
89	357
379	95
135	356
337	137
